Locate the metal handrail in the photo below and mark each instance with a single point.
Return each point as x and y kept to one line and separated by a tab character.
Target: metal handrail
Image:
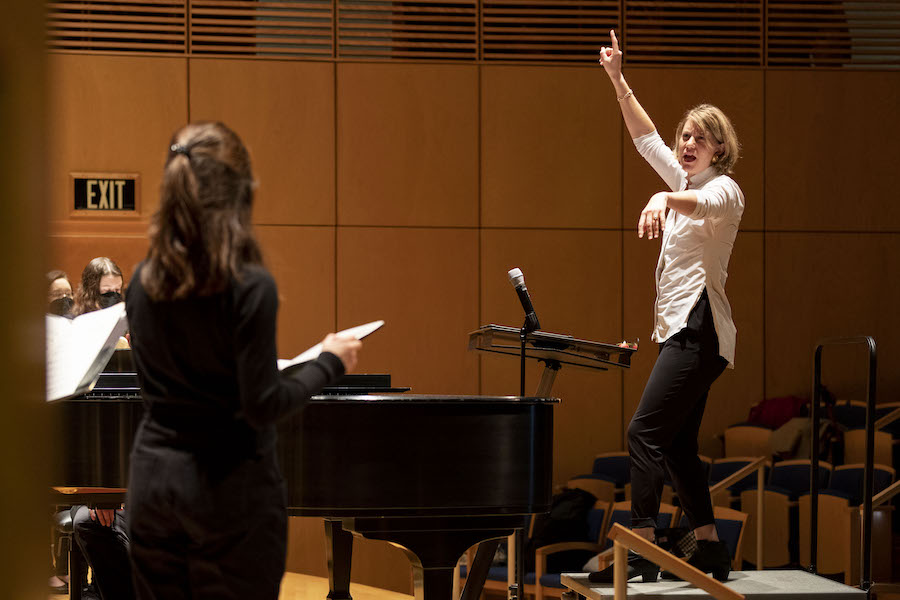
868	476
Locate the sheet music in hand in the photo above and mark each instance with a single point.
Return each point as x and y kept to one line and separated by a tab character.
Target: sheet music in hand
359	332
79	348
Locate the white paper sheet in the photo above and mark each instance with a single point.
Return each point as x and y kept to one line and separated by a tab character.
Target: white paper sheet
358	332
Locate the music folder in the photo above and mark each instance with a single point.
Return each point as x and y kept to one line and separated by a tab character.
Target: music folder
78	349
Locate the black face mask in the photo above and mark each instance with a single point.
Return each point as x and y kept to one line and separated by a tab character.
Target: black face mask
61	306
109	299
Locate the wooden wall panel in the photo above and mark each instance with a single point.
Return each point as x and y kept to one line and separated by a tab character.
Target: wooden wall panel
407	144
284	113
112	114
830	151
573	279
831	285
550	151
667	94
424	284
732	395
302	261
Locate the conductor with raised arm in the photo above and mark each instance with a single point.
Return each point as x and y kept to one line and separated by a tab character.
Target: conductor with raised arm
696	221
206	500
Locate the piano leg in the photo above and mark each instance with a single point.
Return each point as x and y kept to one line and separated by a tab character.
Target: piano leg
435	583
339	551
520	564
477	572
434	544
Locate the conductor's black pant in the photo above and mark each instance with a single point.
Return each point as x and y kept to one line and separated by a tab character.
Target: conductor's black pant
663	431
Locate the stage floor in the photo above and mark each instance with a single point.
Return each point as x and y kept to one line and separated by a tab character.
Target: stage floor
754	585
296	586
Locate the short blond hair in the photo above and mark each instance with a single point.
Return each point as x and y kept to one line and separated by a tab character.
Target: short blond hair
714	122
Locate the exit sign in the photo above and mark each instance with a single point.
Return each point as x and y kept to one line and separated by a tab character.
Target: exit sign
105	193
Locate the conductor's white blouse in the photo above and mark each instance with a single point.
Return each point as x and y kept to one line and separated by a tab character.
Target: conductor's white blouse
695	248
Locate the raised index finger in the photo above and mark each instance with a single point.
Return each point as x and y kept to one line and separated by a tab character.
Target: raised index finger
615	42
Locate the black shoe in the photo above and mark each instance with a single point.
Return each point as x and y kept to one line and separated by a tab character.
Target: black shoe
710	557
637	565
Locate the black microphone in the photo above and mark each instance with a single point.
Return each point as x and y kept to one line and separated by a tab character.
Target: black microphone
518	280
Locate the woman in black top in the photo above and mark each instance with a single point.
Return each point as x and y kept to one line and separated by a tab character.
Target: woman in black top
206	499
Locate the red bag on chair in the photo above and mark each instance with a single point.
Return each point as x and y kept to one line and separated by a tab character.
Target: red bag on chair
775	412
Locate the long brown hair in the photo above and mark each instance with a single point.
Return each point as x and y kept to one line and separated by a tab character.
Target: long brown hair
201	237
87	298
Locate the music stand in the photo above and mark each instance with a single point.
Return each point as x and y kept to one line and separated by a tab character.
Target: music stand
553	349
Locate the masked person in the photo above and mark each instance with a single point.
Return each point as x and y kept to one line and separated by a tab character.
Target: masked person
101	286
59	294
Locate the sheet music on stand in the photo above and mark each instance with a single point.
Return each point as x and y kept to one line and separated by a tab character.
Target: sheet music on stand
544	346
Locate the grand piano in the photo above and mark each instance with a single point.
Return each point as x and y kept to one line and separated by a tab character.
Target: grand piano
432	474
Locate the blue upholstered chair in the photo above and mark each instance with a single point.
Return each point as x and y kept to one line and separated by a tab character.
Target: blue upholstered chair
615	466
539	582
602	487
838	528
788	480
793	476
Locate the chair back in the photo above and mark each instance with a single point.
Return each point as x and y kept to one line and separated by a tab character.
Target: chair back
855	447
615	466
601	487
793	476
848	479
850	413
748	440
